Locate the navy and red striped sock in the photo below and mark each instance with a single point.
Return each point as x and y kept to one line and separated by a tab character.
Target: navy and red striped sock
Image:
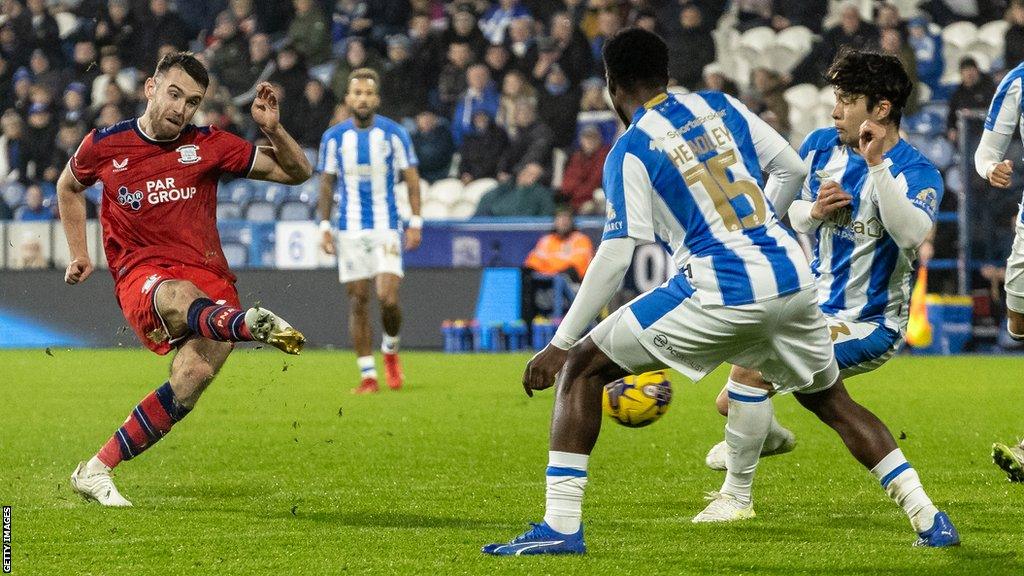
218	321
150	421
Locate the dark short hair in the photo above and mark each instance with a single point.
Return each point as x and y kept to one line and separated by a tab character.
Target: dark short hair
636	58
188	62
875	76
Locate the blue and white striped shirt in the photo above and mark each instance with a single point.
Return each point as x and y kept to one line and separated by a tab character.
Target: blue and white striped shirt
687	174
368	163
862	275
1007	110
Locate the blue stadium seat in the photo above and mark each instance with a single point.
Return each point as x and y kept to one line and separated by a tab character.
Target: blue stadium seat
238	191
260	211
275	193
294	211
228	211
237	254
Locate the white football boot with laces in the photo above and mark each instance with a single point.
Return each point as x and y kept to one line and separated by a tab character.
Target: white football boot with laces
724	508
96	484
716	456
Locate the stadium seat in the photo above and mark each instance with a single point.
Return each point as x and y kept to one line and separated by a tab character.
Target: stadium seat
67	24
801	95
274	193
983	59
228	210
954	179
434	210
260	211
294	211
13	193
477	188
798	38
236	253
959	34
462	209
447	191
994	33
239	191
753	47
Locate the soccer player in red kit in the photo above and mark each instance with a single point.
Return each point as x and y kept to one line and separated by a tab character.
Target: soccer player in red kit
159	175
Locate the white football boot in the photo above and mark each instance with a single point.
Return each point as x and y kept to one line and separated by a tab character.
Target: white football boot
716	456
270	328
96	484
723	508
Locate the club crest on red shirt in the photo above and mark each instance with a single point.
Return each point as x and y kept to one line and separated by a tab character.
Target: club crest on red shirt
188	154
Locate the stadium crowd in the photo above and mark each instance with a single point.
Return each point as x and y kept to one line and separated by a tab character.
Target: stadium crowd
509	90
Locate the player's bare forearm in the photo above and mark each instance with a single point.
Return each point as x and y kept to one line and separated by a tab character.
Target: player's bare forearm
71	202
326	201
283	162
412	182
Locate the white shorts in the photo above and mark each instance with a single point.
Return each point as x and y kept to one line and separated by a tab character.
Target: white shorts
785	338
861	346
363	254
1015	271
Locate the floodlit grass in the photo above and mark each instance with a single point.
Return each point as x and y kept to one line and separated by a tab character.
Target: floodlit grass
280	470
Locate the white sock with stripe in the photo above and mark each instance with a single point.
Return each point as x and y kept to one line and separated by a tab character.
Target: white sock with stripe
903	485
367	368
750	418
566	478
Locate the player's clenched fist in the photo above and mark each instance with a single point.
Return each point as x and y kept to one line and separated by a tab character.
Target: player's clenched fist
1001	174
831	197
872	141
78	270
327	242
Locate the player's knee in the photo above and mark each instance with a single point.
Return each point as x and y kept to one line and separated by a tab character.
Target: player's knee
195	371
389	302
359	302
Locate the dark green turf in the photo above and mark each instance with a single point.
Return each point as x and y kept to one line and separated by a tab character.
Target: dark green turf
282	471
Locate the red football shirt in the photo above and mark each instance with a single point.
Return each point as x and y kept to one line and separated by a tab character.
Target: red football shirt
160	197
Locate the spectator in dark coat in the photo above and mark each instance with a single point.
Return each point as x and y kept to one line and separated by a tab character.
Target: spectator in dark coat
162	27
558	104
314	111
291	73
497	60
434	147
807	13
481	149
39	137
571	45
228	54
451	82
403	89
1013	51
690	49
117	27
45	34
974	93
464	29
531	144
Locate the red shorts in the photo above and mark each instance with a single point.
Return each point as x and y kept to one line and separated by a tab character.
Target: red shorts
136	291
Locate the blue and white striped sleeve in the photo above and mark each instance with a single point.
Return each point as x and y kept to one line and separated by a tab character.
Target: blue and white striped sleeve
1005	110
405	154
327	160
628	191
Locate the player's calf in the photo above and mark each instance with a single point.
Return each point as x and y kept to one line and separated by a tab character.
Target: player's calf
1015	325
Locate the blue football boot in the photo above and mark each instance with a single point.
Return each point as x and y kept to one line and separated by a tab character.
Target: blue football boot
540	539
941	534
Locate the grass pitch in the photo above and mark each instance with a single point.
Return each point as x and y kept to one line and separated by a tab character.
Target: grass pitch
281	471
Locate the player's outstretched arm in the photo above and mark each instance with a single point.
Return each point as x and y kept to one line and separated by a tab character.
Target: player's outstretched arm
283	161
72	215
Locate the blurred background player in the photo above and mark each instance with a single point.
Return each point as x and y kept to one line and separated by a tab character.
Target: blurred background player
863	270
159	175
362	159
687	171
1004	116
